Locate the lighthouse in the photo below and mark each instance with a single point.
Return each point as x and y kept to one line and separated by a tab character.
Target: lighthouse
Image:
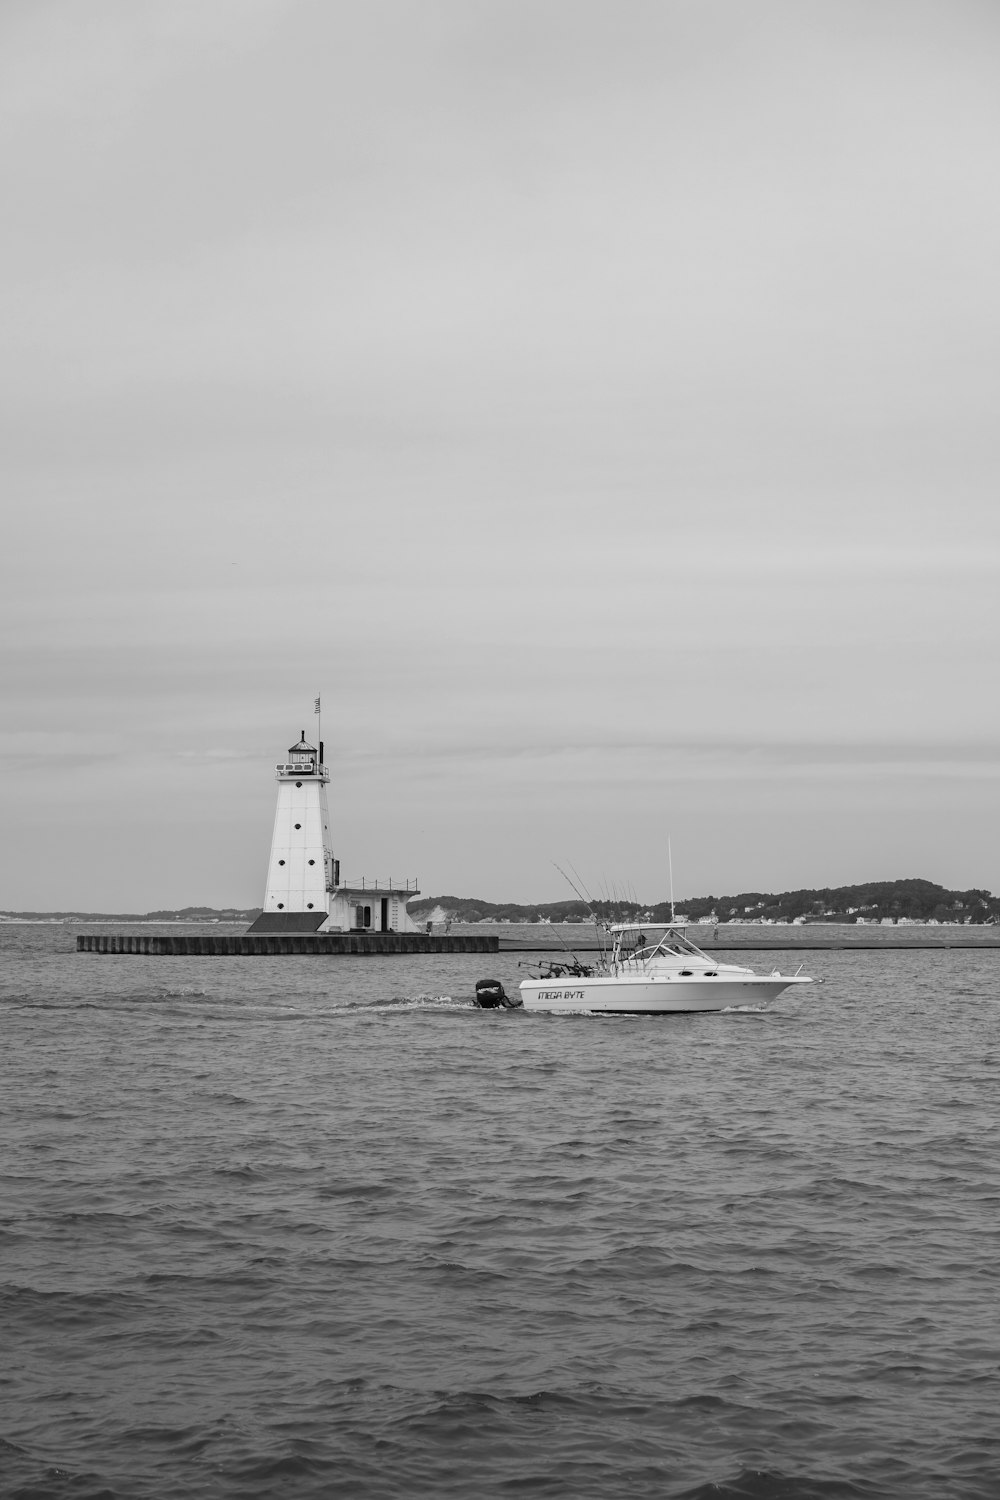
301	869
304	892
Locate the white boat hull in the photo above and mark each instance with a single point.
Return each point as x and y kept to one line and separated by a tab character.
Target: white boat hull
652	995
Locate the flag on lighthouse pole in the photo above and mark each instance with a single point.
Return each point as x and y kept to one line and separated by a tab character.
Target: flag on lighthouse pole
317	706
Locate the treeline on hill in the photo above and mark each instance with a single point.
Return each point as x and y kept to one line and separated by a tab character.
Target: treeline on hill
880	900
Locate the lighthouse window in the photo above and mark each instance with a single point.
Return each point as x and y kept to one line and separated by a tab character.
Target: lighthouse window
281	905
298	825
281	861
310	905
312	861
298	783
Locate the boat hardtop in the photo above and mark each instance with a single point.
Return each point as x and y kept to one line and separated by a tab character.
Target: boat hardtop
673	949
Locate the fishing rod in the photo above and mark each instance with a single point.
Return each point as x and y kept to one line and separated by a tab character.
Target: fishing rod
580	890
599	919
555	926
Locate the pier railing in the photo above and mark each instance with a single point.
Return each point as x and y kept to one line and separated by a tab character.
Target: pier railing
373	883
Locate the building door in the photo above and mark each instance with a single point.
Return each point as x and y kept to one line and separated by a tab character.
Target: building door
385	913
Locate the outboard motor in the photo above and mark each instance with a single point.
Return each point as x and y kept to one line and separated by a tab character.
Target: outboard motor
491	995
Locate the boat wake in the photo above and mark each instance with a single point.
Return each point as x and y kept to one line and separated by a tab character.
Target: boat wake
443	1003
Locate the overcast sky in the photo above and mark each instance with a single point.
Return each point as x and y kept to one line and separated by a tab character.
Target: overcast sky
596	403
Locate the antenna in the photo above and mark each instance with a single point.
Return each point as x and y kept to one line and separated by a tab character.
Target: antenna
670	864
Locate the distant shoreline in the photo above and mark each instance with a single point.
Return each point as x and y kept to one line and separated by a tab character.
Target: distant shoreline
50	919
735	937
563	937
885	904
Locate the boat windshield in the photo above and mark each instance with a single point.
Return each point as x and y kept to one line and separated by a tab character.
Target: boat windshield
638	943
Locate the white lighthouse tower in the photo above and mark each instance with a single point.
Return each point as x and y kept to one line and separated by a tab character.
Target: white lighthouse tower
304	891
301	871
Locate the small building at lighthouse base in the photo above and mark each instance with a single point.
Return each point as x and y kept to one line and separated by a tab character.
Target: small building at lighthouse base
364	905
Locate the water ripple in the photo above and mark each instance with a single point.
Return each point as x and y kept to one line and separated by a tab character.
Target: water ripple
311	1229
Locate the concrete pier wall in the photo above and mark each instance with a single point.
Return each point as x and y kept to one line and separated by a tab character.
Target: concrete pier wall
736	937
274	945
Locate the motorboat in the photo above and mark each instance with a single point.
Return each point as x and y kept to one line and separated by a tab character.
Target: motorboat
649	970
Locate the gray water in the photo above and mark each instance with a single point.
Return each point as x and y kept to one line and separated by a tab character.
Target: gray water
305	1228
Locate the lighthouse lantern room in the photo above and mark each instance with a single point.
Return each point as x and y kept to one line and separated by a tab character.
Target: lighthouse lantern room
304	890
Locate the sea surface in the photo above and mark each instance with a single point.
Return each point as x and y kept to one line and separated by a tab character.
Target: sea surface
294	1227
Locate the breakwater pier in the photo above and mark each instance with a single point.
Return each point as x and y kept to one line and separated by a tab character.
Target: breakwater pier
534	938
739	937
276	945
